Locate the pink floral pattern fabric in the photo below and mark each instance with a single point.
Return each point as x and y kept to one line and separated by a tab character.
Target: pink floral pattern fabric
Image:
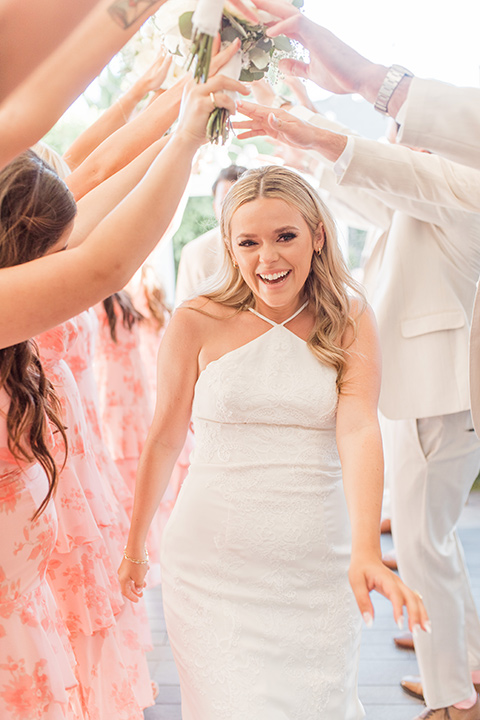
132	622
126	413
37	666
82	571
126	377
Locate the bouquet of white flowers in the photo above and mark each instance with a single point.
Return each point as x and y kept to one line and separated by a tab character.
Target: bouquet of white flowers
257	50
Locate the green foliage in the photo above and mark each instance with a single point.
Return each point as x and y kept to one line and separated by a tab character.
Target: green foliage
185	25
62	135
476	484
198	218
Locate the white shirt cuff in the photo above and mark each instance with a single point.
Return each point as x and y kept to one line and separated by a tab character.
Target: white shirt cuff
344	160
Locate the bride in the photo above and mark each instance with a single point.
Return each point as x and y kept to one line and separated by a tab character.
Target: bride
267	549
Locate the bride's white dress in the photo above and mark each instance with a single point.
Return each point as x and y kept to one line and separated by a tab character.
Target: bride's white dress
260	615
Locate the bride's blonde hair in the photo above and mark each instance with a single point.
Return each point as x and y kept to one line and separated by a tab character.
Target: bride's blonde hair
329	281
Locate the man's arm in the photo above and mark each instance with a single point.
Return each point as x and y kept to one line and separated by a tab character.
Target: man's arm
439	117
443	118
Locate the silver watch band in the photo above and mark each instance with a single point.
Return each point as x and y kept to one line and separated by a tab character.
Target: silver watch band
391	81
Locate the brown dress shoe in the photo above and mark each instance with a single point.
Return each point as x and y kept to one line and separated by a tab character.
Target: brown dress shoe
390	560
404	641
412	685
451	713
386	526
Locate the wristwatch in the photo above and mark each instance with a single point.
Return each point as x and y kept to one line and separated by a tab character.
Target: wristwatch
392	80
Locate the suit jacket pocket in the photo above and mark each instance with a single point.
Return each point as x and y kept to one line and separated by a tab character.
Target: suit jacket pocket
451	320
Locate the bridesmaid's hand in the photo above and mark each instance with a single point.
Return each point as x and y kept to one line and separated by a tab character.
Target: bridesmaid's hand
132	579
371	574
200	99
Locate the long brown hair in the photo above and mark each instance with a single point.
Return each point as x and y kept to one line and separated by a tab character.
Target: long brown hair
130	314
329	281
155	296
36	207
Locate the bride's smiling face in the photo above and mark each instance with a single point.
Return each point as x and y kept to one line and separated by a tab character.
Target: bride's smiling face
273	246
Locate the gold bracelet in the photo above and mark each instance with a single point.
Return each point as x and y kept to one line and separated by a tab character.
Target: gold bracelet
137	562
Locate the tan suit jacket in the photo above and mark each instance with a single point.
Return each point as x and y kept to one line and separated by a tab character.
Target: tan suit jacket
421	272
199	260
446	120
421	278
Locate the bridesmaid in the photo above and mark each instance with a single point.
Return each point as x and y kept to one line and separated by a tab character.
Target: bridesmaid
149	297
124	396
39	291
112	674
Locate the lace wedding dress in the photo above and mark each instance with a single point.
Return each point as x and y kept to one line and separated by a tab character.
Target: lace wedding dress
260	615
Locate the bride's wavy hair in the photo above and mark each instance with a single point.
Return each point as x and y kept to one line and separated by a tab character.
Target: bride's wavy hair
329	284
36	207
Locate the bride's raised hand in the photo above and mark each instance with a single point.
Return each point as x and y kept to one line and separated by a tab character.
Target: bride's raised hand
200	99
371	574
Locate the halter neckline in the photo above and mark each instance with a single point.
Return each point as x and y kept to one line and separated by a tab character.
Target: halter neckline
282	324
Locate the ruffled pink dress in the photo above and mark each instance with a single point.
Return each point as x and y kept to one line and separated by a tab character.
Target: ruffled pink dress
124	398
150	339
80	360
126	378
37	676
111	666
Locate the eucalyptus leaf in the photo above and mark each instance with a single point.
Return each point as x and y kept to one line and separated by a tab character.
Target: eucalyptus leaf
229	34
259	58
297	3
283	44
237	25
265	44
250	76
185	25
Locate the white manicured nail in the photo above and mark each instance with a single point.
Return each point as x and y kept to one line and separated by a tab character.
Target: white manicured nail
428	627
368	619
400	622
416	630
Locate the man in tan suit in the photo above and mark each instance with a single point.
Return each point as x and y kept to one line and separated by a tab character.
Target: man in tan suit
202	257
421	277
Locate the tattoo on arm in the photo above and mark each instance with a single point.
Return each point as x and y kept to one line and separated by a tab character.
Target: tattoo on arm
126	12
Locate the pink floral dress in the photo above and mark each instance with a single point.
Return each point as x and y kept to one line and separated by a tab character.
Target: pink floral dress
82	570
37	677
127	393
125	403
150	340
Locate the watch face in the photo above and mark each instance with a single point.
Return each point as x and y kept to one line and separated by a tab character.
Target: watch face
392	79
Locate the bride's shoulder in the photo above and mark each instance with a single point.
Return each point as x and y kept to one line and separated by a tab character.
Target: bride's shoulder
200	317
204	310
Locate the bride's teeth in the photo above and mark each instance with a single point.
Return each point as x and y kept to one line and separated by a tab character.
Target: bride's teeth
274	276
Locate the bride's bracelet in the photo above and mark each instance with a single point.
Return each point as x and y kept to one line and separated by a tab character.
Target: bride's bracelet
132	560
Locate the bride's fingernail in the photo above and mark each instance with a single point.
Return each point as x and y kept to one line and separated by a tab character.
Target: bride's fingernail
400	622
416	630
368	619
428	627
